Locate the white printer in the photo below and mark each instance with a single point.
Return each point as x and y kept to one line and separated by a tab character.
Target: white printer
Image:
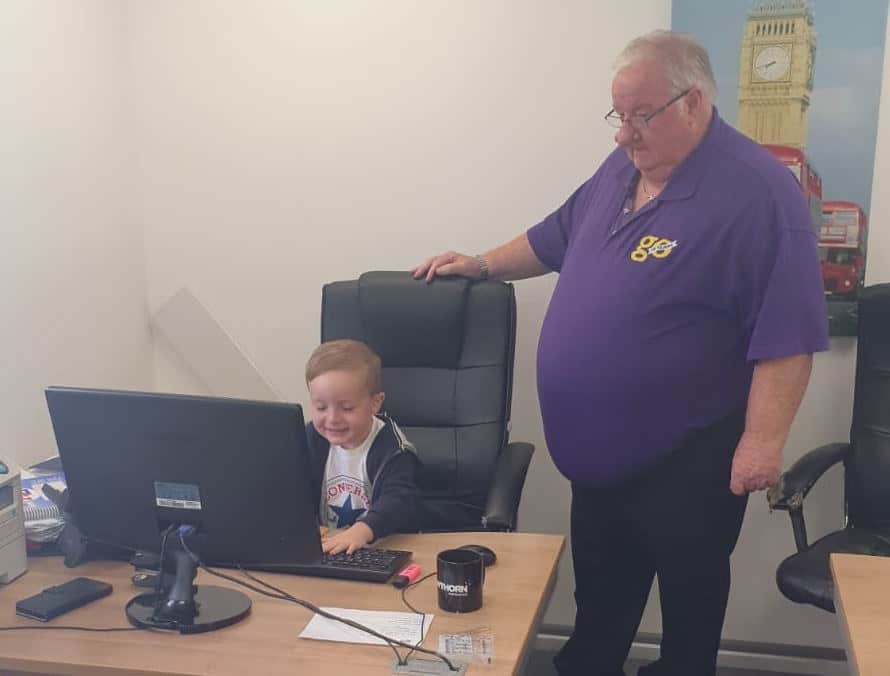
13	556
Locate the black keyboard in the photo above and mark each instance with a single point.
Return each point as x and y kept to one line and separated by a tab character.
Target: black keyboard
364	565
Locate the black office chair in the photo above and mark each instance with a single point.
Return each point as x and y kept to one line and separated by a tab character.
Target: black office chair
447	352
805	577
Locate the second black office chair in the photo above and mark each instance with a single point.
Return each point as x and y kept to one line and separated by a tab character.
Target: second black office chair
447	351
805	577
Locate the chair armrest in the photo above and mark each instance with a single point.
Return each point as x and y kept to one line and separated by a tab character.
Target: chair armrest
793	486
506	486
796	482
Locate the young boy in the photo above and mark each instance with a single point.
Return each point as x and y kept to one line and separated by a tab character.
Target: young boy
360	460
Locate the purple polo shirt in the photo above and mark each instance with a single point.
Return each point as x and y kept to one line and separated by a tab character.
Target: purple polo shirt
658	316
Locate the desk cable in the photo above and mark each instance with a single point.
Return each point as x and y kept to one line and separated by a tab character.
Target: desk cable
278	593
69	627
158	580
64	627
413	609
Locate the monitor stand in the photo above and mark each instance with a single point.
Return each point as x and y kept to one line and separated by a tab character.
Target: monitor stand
185	607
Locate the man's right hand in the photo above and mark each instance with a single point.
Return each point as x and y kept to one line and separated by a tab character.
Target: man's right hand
448	263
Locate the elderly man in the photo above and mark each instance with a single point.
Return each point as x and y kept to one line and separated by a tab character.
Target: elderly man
674	354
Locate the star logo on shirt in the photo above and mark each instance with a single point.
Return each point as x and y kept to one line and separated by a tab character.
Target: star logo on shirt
346	514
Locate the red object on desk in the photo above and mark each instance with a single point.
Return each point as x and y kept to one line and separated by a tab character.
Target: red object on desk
406	576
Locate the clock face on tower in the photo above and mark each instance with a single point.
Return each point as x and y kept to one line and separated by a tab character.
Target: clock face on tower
772	62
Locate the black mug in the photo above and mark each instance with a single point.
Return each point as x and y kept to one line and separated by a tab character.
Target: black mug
459	576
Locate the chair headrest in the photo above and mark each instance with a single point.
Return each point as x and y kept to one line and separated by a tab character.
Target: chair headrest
875	298
410	323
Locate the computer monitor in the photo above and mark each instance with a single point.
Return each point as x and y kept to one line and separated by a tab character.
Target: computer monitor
138	463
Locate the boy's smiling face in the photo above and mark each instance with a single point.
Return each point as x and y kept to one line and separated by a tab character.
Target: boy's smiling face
342	406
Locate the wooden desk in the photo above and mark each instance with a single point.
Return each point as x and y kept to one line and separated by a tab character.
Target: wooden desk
266	643
862	601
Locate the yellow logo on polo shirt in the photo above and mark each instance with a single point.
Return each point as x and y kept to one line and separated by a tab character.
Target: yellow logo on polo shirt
652	245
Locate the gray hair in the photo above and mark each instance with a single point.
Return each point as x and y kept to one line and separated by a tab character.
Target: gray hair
684	60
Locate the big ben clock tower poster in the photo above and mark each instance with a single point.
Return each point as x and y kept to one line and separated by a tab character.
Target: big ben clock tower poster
804	79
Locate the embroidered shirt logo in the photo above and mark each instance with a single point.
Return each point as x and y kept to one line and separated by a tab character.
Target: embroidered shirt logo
652	245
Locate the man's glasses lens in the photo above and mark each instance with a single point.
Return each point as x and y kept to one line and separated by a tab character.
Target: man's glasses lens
615	120
640	120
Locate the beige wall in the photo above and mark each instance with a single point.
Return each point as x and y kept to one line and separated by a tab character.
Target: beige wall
72	282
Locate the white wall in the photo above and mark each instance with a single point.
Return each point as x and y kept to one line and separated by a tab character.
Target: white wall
283	145
286	144
72	283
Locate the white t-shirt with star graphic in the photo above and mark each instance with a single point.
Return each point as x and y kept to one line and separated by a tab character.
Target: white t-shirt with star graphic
346	488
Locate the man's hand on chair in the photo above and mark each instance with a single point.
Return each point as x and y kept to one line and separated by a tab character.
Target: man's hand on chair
448	263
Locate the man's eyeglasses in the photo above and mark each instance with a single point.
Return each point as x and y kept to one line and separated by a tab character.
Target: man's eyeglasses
640	121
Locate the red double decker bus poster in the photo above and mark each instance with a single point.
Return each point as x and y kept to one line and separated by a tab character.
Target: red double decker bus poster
804	79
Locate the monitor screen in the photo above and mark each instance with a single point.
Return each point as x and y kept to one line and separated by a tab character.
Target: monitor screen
237	470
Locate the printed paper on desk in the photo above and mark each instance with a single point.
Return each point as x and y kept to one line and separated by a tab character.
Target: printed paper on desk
35	504
400	626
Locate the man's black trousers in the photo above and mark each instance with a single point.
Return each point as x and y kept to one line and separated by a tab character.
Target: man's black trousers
676	520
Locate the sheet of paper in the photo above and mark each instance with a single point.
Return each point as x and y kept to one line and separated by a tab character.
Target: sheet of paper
400	626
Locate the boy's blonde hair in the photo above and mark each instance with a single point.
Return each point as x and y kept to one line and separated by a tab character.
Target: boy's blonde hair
345	355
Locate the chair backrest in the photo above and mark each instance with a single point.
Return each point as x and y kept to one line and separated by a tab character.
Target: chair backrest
867	472
447	351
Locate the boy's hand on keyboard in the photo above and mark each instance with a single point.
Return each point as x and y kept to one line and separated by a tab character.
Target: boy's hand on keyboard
349	540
